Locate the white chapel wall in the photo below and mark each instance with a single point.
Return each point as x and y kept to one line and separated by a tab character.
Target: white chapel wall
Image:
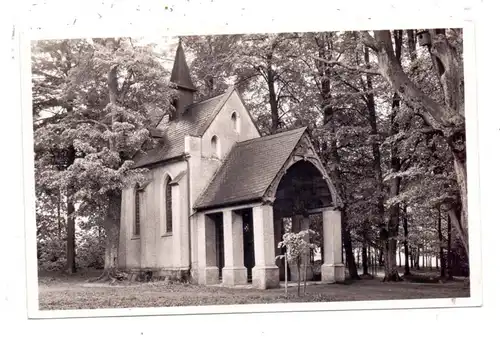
154	247
222	127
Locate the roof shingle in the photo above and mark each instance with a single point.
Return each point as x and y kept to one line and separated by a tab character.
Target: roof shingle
249	169
194	121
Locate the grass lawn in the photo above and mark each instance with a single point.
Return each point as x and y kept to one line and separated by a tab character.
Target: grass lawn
59	292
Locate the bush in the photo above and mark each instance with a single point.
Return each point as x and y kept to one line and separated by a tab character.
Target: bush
89	251
51	251
51	254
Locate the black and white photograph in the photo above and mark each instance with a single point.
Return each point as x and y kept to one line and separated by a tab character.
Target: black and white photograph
252	168
190	172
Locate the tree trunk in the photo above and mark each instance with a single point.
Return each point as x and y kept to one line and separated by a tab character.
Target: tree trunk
377	167
390	267
417	258
449	251
59	225
405	229
112	232
70	238
364	259
381	258
457	225
305	272
412	45
441	250
273	98
112	218
423	256
298	278
391	272
346	236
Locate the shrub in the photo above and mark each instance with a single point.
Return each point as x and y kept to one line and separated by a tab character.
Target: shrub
89	250
51	254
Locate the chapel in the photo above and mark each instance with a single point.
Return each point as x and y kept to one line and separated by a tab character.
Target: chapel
218	193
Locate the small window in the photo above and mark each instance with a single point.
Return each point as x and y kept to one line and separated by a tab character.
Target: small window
137	223
235	122
168	204
215	146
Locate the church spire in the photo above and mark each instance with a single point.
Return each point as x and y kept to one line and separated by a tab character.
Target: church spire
182	80
180	71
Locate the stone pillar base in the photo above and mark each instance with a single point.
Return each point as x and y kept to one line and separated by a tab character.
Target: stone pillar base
208	275
339	272
265	277
234	276
332	273
328	273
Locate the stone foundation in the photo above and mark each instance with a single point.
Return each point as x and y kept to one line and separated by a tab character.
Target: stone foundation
265	277
159	274
234	276
208	275
328	273
339	273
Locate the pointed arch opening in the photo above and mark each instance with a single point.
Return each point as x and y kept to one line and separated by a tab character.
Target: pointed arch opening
235	122
137	219
215	146
168	205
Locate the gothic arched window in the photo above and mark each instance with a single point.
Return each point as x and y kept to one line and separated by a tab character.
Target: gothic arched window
168	205
215	146
235	122
137	223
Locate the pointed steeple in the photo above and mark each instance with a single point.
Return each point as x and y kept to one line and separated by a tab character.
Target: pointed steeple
180	71
182	80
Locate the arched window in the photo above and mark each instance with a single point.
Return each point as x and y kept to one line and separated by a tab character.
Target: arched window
168	204
137	223
235	122
215	146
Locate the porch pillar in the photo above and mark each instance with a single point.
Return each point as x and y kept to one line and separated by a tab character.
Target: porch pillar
208	272
332	269
265	273
234	271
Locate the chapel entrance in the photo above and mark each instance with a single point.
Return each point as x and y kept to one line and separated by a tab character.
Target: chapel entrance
300	197
242	243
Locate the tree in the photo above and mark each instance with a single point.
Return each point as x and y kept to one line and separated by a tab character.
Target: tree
213	62
115	91
296	247
446	118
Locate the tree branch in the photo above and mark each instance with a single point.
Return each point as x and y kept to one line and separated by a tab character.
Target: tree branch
353	68
92	121
369	41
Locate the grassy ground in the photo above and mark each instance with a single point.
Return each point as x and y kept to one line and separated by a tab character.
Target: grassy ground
59	292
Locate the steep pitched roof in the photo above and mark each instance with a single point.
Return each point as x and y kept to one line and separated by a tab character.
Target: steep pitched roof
180	71
194	121
249	169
